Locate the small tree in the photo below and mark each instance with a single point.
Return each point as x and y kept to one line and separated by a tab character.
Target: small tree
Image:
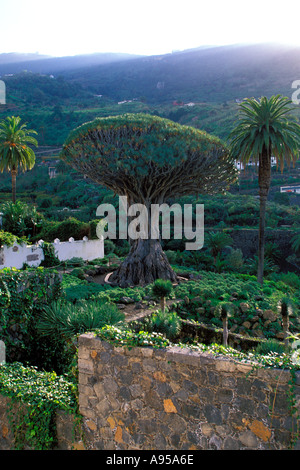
224	311
285	309
162	289
216	242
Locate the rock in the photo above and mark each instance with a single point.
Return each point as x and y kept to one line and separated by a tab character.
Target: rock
200	310
269	315
247	324
126	300
255	319
244	307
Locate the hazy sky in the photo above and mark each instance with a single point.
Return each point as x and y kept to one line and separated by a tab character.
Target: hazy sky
69	27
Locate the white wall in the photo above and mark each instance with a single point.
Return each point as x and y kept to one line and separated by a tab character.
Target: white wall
16	255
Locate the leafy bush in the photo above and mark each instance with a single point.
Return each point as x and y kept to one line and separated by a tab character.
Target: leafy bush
42	393
28	292
21	219
66	320
270	346
63	230
161	289
50	259
165	322
8	239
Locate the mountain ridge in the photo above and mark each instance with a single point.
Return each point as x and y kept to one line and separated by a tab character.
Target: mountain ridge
205	74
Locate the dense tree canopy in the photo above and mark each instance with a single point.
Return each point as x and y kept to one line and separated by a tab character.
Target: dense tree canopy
149	160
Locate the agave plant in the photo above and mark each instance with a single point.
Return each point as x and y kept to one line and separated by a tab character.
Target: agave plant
285	309
224	310
162	289
165	322
66	319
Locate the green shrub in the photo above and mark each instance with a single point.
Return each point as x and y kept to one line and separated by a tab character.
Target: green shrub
78	272
50	259
75	262
165	322
66	320
161	289
21	219
28	291
291	279
64	230
42	393
270	346
8	239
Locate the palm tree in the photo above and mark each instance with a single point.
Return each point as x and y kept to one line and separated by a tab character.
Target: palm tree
264	131
216	242
15	154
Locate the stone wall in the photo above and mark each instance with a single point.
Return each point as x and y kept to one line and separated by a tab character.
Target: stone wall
144	398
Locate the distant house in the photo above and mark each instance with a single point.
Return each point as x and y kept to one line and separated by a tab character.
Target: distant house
240	166
290	189
52	172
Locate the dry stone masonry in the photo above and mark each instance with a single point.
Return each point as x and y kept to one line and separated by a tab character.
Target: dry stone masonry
145	398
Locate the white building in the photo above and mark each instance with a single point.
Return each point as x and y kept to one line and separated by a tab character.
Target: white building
16	255
290	189
240	166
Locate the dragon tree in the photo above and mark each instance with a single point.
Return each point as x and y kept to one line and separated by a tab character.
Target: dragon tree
149	160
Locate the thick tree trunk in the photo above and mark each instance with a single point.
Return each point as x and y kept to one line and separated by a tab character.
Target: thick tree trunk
261	239
145	263
13	184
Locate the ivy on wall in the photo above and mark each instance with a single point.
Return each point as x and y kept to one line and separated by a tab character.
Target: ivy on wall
23	294
35	398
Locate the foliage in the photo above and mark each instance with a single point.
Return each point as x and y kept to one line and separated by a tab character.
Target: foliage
129	338
165	322
224	310
15	148
50	258
264	125
28	291
67	320
268	266
21	219
63	230
201	296
262	132
216	241
8	239
42	394
131	139
270	346
162	288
